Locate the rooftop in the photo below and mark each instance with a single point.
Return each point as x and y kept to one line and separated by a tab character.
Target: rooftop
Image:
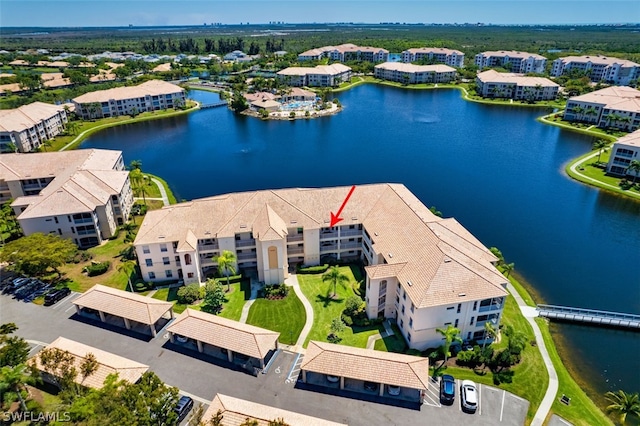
411	68
600	60
148	88
632	139
27	116
333	69
620	98
493	76
434	50
512	54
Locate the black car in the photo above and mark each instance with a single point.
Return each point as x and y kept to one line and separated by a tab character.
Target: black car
447	389
185	404
56	295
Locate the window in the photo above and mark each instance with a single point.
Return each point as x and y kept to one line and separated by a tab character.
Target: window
168	273
469	336
412	307
404	295
456	323
471	322
410	322
449	308
409	336
59	231
459	307
447	323
152	275
166	261
145	250
475	305
163	247
401	323
190	275
187	259
402	309
55	218
149	262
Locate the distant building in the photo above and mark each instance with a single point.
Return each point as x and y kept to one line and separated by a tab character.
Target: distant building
453	58
152	95
517	62
82	195
321	75
599	68
346	52
412	74
615	106
493	84
30	125
623	152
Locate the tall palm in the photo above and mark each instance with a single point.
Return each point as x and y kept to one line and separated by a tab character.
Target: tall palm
591	111
335	277
451	335
601	145
227	265
634	167
13	379
490	332
508	268
127	268
578	110
623	403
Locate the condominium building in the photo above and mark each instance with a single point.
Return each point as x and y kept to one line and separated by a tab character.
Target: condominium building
152	95
518	62
346	52
599	68
82	195
615	106
26	128
493	84
410	74
623	152
422	271
453	58
321	75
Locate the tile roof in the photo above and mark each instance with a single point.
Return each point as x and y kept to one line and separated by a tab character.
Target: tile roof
27	116
619	98
236	411
238	337
367	364
429	247
148	88
600	60
434	50
108	363
493	76
135	307
333	69
632	139
512	54
411	68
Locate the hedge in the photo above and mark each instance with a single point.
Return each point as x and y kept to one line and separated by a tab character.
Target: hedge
97	268
313	269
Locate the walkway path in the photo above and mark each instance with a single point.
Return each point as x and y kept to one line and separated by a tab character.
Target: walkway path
552	388
163	193
255	287
574	169
293	282
388	331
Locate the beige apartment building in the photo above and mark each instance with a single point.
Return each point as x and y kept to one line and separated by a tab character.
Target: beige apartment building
319	76
615	106
27	127
453	58
422	271
152	95
623	152
493	84
413	74
599	68
517	62
346	52
82	195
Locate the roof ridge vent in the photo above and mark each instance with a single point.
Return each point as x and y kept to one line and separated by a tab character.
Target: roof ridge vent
447	260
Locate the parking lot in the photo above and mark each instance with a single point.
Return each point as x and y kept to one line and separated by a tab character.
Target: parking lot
201	377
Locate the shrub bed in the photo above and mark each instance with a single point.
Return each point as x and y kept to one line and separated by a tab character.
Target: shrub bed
187	295
96	268
275	291
318	269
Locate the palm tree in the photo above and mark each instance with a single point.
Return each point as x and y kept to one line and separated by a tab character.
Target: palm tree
12	380
623	403
127	268
135	164
600	144
490	332
227	265
591	111
634	167
626	120
508	268
578	111
12	147
335	277
451	335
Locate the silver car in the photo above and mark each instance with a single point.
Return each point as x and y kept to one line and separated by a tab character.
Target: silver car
469	396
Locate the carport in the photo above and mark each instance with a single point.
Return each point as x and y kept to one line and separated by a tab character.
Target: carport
107	363
130	307
232	336
356	366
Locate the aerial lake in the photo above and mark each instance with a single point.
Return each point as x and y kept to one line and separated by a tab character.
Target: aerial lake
495	168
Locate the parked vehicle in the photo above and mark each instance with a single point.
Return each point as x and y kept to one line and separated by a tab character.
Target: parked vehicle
333	379
447	389
469	396
393	390
185	404
56	295
15	285
371	386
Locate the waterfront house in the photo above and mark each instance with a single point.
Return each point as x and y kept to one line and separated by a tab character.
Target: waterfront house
422	271
623	152
615	106
599	68
29	126
493	84
320	76
346	52
517	62
414	74
440	55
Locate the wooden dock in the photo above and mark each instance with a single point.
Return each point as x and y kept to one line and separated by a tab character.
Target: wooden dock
590	316
214	105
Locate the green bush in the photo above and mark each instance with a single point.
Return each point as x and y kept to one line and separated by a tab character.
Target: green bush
275	291
353	305
96	268
317	269
347	320
190	293
232	279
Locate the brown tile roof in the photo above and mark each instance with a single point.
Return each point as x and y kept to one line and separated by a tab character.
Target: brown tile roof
238	337
268	226
632	139
367	364
411	68
333	69
615	97
148	88
27	116
236	411
600	60
108	363
434	50
135	307
493	76
512	54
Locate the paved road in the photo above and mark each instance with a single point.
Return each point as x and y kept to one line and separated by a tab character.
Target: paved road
203	377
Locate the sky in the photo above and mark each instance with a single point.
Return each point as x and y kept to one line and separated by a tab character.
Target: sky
90	13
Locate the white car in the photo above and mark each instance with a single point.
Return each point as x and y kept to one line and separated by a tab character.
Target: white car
181	339
393	390
469	396
333	379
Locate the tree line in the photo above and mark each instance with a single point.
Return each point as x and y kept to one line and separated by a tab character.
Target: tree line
209	45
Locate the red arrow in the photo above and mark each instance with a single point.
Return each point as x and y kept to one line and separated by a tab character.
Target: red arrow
335	218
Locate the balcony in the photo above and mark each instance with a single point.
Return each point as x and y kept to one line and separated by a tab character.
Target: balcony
295	250
246	243
350	246
328	247
209	246
246	256
325	235
85	220
491	307
295	237
350	232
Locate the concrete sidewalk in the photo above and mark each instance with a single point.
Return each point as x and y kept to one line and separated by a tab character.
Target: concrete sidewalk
293	282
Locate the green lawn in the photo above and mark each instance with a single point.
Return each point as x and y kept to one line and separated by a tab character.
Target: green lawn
393	343
587	167
285	316
326	309
236	298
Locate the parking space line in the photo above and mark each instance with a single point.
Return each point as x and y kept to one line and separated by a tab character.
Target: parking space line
517	397
265	370
502	408
34	348
196	398
293	367
63	301
480	398
459	384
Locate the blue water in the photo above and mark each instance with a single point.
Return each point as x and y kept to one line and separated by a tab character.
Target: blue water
496	169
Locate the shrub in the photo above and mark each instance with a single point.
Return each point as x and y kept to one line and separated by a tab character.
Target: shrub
189	294
292	114
353	305
96	268
317	269
334	338
347	320
275	291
